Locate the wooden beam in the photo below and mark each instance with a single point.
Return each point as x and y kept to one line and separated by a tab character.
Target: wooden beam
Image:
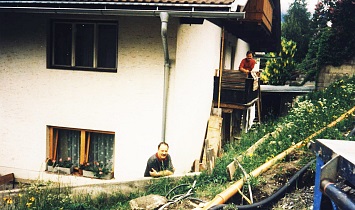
237	106
231	168
196	167
210	159
226	110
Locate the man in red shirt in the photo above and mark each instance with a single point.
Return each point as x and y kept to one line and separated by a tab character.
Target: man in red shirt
247	64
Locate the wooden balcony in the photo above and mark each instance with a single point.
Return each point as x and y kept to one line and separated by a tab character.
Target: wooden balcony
236	90
259	11
261	27
237	96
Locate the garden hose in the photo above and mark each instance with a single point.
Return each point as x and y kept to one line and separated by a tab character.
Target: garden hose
179	197
274	197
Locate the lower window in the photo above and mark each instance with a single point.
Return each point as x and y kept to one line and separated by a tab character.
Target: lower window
81	146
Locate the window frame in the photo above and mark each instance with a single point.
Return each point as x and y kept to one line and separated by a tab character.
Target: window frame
84	143
96	23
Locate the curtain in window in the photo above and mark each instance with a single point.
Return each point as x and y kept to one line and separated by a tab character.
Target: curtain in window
62	44
101	148
84	45
107	46
68	145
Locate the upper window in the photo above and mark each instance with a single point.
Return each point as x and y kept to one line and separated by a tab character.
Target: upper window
83	45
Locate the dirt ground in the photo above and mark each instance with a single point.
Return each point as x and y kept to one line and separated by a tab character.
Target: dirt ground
300	197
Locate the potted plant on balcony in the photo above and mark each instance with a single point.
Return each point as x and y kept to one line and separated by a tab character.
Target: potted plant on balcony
50	164
96	170
64	166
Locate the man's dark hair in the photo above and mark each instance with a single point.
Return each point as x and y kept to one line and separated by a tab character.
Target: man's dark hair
163	143
250	52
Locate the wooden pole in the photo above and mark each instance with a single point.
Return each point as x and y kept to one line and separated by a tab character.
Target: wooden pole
221	64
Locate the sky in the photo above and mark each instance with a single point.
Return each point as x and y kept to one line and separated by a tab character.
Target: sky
285	4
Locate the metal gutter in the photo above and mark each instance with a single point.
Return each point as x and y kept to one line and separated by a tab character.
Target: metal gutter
126	12
118	4
164	17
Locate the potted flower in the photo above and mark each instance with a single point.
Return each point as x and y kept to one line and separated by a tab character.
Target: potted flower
96	170
65	166
50	164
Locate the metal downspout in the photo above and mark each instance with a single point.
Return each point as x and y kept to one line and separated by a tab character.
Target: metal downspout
164	17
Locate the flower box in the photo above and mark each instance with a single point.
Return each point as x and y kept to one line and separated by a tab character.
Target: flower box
91	174
97	170
107	176
50	165
63	170
50	168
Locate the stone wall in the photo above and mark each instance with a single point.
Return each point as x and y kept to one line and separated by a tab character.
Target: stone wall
330	74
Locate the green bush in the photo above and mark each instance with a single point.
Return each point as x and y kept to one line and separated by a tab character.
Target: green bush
280	67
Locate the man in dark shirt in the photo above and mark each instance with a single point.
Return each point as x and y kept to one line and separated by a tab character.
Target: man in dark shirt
160	164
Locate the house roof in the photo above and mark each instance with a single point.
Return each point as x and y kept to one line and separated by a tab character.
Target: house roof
178	8
228	13
207	3
225	2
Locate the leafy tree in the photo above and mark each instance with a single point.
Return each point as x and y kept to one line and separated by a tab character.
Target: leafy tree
333	37
342	39
280	67
296	27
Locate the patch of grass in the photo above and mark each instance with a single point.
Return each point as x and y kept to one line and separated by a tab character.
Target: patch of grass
39	195
114	200
49	195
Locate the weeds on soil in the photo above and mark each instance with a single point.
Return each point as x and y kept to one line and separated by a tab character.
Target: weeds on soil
49	195
309	114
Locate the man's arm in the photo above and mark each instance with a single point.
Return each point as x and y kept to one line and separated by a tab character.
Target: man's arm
154	173
246	71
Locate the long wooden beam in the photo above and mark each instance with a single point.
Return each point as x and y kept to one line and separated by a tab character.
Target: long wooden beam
236	106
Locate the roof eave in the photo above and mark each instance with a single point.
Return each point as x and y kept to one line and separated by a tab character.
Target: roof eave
115	3
127	12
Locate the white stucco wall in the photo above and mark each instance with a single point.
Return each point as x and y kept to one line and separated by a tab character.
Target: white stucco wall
128	102
191	91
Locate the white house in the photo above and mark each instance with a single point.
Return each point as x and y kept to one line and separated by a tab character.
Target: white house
108	80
